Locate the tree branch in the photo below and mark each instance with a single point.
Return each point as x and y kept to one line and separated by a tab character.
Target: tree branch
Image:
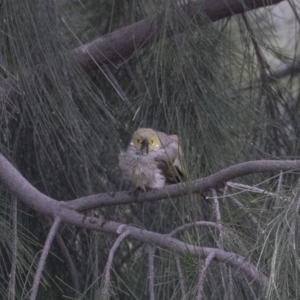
60	211
202	276
123	43
13	273
181	279
194	224
218	218
70	263
181	189
106	282
43	258
151	250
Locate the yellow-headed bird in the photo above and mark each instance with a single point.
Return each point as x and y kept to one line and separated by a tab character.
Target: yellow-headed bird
152	159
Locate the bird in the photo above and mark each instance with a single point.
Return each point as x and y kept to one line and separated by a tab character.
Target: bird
152	159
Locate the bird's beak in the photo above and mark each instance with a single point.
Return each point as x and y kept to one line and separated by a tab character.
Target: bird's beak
145	147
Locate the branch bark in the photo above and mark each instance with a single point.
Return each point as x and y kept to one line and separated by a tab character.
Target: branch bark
106	281
213	181
151	275
181	278
43	258
202	276
65	214
70	264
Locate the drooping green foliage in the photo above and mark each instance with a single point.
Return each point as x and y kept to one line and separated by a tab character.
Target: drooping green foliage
213	84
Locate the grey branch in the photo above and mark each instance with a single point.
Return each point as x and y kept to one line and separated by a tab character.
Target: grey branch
12	284
151	250
181	278
224	229
60	210
181	189
202	276
70	263
218	217
106	283
43	258
122	43
253	189
194	224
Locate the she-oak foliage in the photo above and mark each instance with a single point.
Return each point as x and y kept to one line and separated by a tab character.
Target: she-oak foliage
214	84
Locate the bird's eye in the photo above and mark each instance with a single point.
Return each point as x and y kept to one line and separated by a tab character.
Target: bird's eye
137	140
152	141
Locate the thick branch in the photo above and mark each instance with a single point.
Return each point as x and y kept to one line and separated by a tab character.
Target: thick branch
43	204
176	190
29	194
122	43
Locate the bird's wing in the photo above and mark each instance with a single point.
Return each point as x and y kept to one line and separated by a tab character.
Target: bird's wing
169	146
167	139
168	157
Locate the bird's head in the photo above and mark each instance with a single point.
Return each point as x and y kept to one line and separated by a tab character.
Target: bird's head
145	140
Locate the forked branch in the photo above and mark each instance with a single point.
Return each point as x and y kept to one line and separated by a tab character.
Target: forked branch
65	212
197	186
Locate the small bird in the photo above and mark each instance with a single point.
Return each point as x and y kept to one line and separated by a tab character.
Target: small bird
152	159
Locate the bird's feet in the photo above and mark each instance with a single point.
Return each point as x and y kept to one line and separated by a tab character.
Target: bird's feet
138	190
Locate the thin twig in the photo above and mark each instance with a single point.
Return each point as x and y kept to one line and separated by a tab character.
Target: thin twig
215	225
291	238
194	224
95	236
279	186
254	189
202	275
12	287
279	182
67	257
150	250
42	261
181	278
230	288
221	237
218	217
106	283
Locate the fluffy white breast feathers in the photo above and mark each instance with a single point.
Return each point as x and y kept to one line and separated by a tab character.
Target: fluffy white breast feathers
152	159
